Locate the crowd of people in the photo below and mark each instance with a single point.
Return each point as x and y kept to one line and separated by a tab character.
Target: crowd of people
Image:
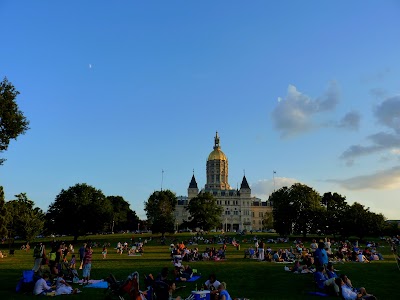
317	258
323	251
135	247
164	286
183	253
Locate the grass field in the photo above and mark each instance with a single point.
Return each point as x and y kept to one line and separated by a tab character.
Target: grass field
244	277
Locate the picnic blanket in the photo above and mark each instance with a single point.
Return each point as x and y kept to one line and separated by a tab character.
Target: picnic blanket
98	285
191	279
318	294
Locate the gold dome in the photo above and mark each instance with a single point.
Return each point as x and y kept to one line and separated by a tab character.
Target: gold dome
217	154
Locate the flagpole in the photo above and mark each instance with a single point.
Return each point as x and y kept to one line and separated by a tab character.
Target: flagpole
162	178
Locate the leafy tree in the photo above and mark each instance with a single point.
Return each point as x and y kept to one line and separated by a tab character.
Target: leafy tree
306	202
25	220
378	222
123	217
204	212
12	120
78	210
359	220
336	207
283	212
296	209
391	229
160	209
3	215
268	220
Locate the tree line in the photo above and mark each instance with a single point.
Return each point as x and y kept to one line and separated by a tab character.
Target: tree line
77	211
83	209
300	210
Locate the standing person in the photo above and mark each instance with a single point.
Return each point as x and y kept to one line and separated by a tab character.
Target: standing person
72	263
223	293
313	246
104	252
87	264
81	255
320	255
328	246
261	246
38	255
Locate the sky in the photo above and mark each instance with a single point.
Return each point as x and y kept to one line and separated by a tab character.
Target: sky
127	96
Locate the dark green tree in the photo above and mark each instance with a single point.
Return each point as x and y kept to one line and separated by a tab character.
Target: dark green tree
3	215
307	202
25	220
78	210
296	209
336	207
160	209
12	121
123	218
283	212
204	212
359	219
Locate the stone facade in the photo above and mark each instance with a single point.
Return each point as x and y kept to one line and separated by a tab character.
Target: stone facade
240	210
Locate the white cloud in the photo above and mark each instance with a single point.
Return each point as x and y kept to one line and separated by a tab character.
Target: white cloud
386	179
294	113
387	114
395	151
264	187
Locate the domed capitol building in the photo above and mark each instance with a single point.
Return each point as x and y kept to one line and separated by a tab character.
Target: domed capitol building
240	210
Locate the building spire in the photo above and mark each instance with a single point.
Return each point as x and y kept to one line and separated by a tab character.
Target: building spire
216	141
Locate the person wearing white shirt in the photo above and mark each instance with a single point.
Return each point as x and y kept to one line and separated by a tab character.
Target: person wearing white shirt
41	287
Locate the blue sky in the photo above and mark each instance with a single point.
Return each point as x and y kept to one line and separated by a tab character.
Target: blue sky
117	91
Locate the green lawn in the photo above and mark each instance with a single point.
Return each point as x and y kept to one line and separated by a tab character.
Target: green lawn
244	277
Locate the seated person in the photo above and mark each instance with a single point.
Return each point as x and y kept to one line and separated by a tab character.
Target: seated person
339	254
276	257
221	253
324	283
375	253
223	293
183	273
187	271
289	255
249	253
348	294
41	287
308	261
297	267
330	271
132	250
361	258
62	287
212	284
347	282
